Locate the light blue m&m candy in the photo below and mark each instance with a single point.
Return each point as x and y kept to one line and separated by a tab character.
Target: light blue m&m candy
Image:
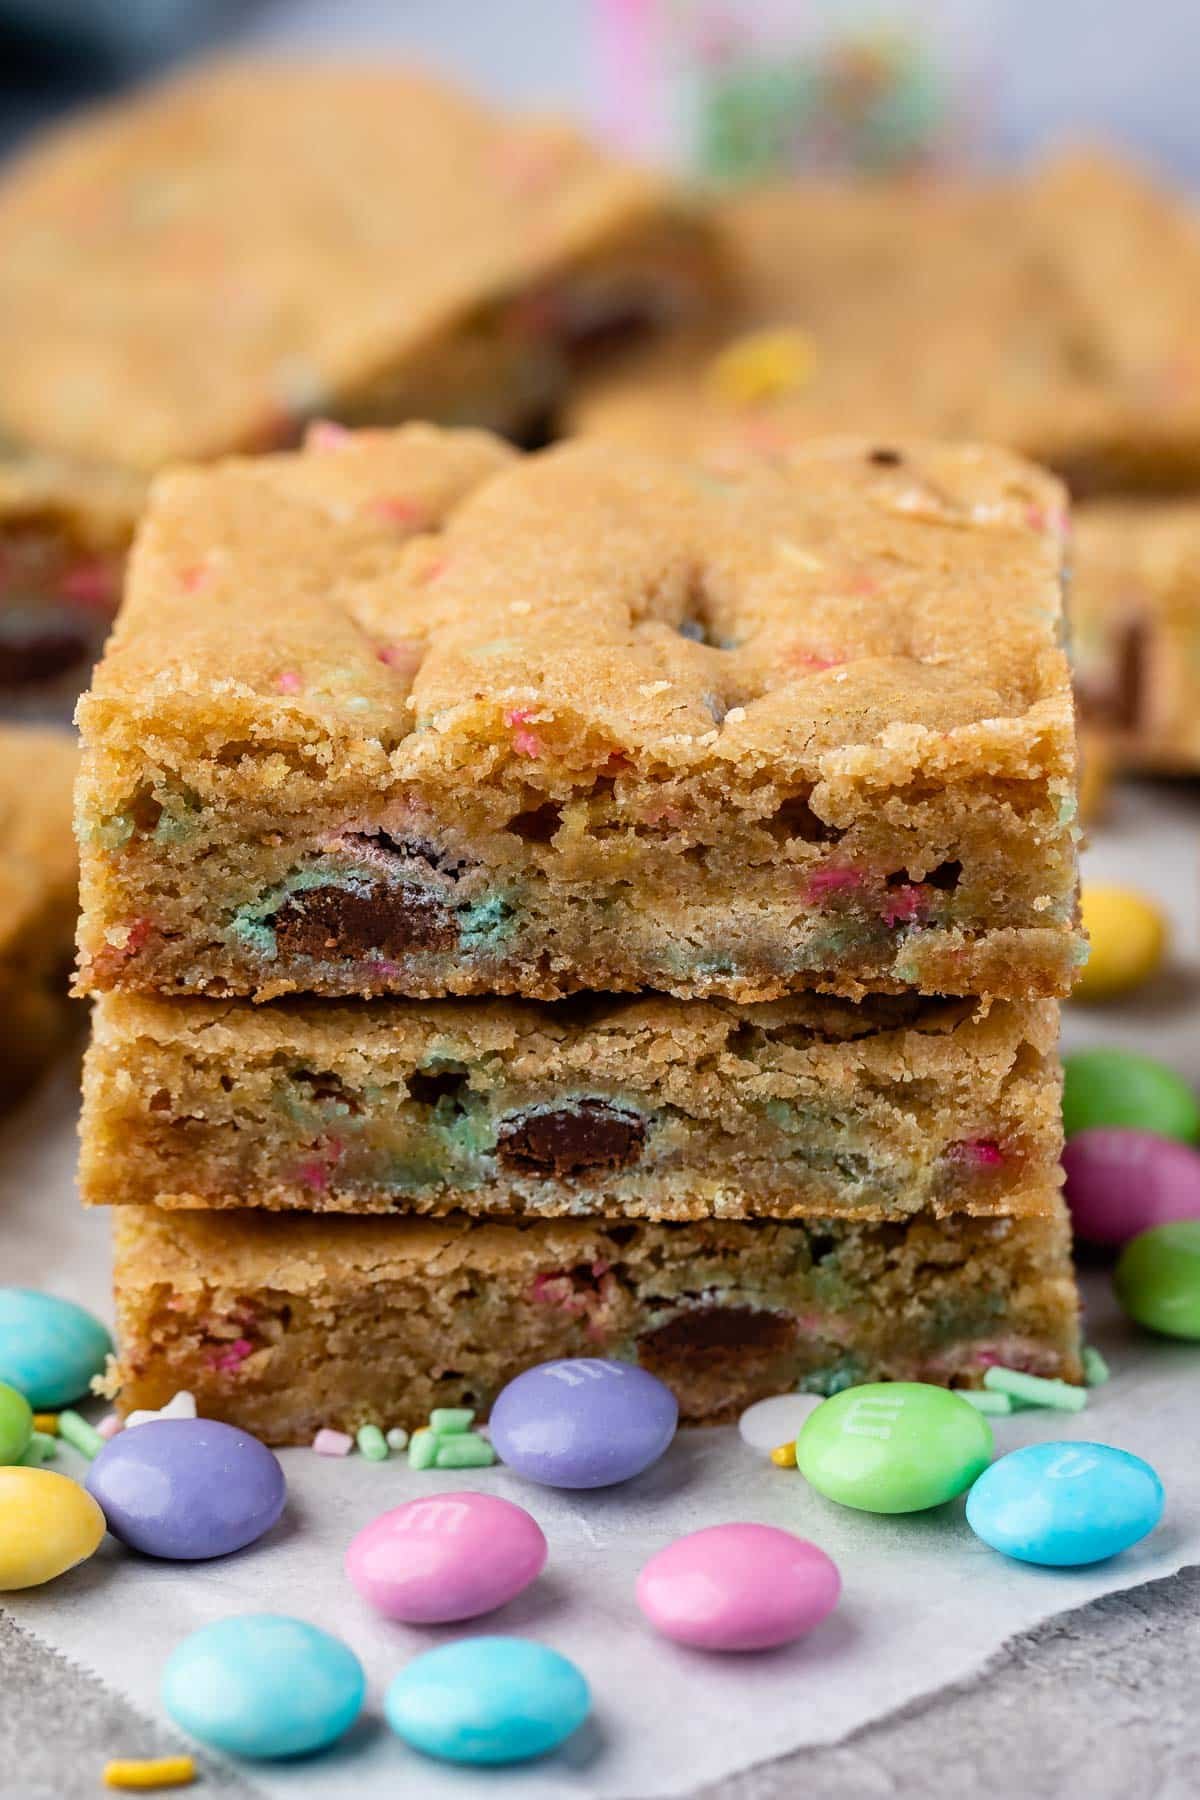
1065	1504
263	1685
487	1700
49	1348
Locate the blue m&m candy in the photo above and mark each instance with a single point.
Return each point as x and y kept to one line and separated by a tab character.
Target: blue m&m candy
49	1348
263	1685
1064	1504
583	1422
487	1700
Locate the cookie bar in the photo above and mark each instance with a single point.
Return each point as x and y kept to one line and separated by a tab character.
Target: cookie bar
1055	312
282	1325
606	722
205	266
645	1108
37	899
1135	627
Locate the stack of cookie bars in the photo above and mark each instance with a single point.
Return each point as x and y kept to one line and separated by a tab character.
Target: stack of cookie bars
578	903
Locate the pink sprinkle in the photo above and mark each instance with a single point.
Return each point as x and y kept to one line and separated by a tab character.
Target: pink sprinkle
109	1425
90	582
229	1357
398	511
332	1443
979	1153
833	879
383	970
763	438
139	932
405	655
903	904
313	1175
193	578
436	569
1035	518
289	682
525	743
325	434
864	584
813	659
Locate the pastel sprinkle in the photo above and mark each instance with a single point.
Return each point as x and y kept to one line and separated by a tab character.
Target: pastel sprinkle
79	1434
180	1406
332	1443
784	1455
984	1401
47	1422
289	682
1059	1395
422	1449
447	1421
371	1443
326	434
397	1438
466	1451
41	1448
1095	1370
153	1772
109	1426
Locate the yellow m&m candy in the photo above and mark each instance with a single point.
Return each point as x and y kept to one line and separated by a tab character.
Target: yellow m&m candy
762	366
47	1525
1128	937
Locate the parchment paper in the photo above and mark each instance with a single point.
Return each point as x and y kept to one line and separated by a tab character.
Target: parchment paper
925	1604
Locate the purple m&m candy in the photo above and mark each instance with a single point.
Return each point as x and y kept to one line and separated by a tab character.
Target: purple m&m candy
583	1422
451	1556
187	1488
1121	1182
738	1587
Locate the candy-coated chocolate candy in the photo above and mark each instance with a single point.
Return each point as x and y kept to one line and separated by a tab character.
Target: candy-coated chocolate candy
263	1685
47	1525
1118	1087
1158	1279
1120	1182
1128	936
583	1422
49	1348
452	1556
187	1488
893	1446
738	1587
1064	1504
16	1424
769	1423
487	1700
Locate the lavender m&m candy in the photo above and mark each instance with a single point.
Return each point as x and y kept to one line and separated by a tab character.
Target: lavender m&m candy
738	1587
1121	1181
187	1488
451	1556
583	1422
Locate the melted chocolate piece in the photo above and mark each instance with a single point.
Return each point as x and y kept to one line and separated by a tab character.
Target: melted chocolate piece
38	643
386	921
588	1137
721	1331
1117	703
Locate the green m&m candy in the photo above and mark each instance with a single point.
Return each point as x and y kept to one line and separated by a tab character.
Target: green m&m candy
1116	1087
16	1424
893	1446
1158	1278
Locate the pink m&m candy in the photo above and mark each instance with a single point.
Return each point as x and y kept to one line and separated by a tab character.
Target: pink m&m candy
1121	1181
452	1556
738	1587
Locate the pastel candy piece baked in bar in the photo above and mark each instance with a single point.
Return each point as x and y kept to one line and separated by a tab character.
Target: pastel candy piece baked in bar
281	1325
37	899
1053	310
203	267
618	1108
445	720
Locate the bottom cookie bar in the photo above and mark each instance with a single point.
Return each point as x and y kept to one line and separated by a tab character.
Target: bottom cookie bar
285	1324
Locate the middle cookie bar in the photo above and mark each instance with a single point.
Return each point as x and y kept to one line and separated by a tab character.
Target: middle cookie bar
406	714
646	1108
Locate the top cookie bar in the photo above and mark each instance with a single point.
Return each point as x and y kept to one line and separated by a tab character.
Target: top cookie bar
409	714
1056	312
201	269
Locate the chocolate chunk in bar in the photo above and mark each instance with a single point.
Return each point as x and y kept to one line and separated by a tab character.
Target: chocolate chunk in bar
588	1137
384	920
745	1342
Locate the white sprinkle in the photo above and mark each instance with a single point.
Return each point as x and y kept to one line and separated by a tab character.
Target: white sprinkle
397	1438
648	688
180	1406
520	607
735	715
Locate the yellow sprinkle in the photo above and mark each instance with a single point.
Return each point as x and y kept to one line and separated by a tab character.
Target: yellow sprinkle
157	1772
1128	936
762	366
784	1456
47	1422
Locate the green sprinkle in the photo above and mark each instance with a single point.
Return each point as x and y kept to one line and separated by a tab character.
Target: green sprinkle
40	1449
466	1452
79	1434
1060	1395
451	1421
422	1449
985	1402
1095	1370
371	1443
